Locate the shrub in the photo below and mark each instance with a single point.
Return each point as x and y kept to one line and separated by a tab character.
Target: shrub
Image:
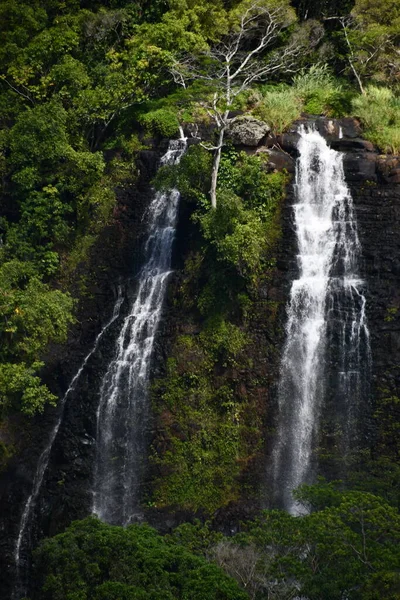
279	107
162	121
317	89
379	112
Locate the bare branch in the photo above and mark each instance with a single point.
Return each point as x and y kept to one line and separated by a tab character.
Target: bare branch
230	67
17	91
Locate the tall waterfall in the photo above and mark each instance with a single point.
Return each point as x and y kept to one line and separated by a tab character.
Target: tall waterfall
326	317
123	408
25	525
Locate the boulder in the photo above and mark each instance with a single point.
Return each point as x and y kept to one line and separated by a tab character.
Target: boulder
278	160
357	144
350	127
389	168
247	131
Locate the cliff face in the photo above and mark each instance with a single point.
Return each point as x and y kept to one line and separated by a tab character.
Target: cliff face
249	382
66	491
375	185
373	180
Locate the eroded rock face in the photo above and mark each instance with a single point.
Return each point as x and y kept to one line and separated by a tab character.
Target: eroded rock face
66	492
247	131
374	182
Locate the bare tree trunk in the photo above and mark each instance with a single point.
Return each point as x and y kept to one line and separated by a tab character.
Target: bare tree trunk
215	167
351	61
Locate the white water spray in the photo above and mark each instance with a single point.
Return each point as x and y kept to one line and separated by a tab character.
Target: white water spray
122	416
27	514
328	288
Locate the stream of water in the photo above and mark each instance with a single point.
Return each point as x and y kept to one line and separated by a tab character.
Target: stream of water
123	411
25	524
326	314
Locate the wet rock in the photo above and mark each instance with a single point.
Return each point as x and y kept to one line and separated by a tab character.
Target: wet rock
350	127
388	168
359	167
353	144
289	142
277	159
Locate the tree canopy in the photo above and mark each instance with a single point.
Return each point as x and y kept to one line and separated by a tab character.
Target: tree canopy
95	561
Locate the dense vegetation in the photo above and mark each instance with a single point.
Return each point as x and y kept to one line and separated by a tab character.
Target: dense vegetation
77	80
84	86
346	548
92	560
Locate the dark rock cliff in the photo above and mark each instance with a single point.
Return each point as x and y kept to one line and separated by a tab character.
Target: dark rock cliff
66	493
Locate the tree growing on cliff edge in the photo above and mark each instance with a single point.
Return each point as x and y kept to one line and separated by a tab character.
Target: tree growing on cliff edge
256	46
372	35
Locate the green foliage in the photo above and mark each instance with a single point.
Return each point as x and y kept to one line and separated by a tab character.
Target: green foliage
348	547
196	537
239	235
95	561
191	176
39	135
379	111
31	316
21	388
32	313
319	91
374	38
209	433
161	121
314	90
201	459
244	227
279	107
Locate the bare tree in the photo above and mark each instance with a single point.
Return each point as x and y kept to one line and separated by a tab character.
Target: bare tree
250	567
247	54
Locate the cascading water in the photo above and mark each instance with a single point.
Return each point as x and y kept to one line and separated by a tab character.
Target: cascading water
25	524
123	408
326	315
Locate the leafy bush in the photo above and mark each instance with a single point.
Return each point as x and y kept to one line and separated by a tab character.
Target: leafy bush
95	561
162	121
31	315
238	234
191	176
245	224
21	388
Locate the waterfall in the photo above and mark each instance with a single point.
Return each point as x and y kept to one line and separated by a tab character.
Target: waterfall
122	416
326	321
25	524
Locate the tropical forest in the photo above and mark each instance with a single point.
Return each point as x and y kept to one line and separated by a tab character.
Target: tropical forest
200	299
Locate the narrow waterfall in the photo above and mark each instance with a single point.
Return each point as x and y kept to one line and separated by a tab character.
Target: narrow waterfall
123	408
25	524
326	317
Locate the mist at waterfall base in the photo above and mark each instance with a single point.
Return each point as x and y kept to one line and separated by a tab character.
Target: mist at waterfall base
123	411
327	351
